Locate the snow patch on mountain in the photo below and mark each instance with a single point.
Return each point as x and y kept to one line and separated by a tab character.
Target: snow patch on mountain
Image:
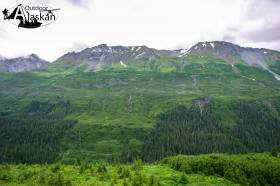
122	64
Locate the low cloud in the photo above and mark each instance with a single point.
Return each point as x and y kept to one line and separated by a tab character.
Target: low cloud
268	33
229	38
231	34
263	9
2	32
259	26
265	15
77	46
78	3
82	3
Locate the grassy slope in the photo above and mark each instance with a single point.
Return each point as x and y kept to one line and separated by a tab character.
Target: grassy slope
116	106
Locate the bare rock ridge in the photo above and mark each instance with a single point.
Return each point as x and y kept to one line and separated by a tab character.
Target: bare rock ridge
109	54
21	64
232	54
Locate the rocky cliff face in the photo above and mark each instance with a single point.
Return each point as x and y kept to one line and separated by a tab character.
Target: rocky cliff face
21	64
109	54
232	54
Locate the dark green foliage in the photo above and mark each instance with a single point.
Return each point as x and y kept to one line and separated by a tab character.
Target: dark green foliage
125	182
258	126
275	67
32	139
137	164
101	168
87	166
124	173
154	181
274	152
78	161
244	169
42	108
184	179
42	176
55	168
201	130
138	179
183	131
4	172
57	180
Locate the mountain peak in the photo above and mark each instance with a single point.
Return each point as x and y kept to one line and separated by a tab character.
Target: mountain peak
100	48
20	64
34	56
212	45
233	53
106	55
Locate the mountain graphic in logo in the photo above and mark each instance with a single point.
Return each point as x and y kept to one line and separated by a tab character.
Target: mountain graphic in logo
31	15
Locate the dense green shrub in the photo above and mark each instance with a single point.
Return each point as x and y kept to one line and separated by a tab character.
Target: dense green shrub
261	169
184	179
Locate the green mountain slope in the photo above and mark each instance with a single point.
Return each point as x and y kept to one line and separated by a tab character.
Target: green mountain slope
68	111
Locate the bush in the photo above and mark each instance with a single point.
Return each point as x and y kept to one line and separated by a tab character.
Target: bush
259	169
101	168
274	152
55	168
124	173
57	180
183	179
185	168
137	165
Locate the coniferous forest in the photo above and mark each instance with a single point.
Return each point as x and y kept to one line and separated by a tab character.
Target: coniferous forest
193	131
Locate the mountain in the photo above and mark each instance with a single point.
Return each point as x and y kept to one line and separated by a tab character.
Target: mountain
103	55
84	118
263	58
21	64
143	103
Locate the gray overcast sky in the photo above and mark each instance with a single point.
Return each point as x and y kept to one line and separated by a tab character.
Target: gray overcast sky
163	24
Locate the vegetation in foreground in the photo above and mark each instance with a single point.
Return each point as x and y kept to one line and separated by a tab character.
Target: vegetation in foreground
207	170
250	169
